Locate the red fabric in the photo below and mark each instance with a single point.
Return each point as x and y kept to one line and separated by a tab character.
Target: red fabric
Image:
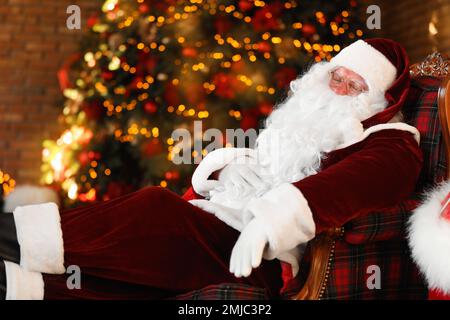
190	194
371	175
398	92
437	295
150	244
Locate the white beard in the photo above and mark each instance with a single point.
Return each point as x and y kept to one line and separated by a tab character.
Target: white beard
311	122
300	131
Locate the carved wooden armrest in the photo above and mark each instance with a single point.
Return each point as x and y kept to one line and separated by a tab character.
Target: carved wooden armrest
322	250
322	246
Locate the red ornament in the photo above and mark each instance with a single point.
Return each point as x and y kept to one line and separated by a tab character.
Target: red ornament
152	148
107	75
222	24
150	107
172	175
265	108
92	20
189	52
309	30
264	46
194	93
83	158
147	62
93	110
284	76
161	5
134	83
245	5
249	119
144	8
266	18
171	94
94	155
151	63
227	85
237	66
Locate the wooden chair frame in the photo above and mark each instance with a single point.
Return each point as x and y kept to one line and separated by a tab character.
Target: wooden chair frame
322	246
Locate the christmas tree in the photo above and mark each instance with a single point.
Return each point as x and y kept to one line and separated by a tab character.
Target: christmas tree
7	184
148	67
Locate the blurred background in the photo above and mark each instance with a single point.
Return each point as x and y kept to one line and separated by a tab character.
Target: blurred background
90	112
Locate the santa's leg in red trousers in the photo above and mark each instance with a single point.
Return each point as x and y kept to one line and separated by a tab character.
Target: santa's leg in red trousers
150	244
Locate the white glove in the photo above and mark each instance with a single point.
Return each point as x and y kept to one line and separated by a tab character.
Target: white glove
242	175
232	217
249	248
280	219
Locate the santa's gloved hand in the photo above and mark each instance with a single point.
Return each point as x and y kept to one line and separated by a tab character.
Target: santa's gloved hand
249	248
241	175
232	217
280	219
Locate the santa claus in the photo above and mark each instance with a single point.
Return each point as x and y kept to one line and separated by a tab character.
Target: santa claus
334	150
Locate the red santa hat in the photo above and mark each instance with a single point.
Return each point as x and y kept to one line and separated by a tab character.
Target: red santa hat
384	65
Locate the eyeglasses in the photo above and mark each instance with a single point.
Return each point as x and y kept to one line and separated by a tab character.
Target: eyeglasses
354	87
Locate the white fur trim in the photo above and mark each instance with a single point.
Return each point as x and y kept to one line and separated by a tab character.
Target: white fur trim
384	126
213	161
288	221
429	239
40	237
27	194
369	63
22	284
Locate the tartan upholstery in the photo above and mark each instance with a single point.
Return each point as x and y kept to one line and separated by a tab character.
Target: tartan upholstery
351	270
379	237
423	93
421	111
226	291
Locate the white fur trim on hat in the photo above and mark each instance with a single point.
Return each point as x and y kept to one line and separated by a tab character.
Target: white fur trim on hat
40	238
429	239
22	284
369	63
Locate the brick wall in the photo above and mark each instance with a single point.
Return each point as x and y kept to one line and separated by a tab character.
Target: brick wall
34	42
407	21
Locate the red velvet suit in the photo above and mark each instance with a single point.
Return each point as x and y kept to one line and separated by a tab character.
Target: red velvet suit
154	244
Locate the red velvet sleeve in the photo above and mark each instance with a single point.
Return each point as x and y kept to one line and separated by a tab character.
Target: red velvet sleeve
381	174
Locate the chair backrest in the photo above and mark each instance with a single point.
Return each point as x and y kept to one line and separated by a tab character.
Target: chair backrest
427	109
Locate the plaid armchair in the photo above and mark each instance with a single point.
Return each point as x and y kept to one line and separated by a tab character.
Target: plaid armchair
339	258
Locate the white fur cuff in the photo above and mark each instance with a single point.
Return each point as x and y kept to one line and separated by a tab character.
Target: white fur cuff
288	221
429	239
22	284
40	238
